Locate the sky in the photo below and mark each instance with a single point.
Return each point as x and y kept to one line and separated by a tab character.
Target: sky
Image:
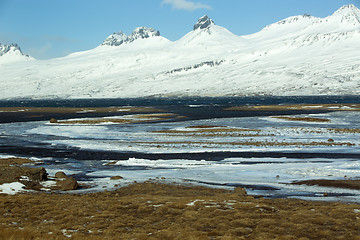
47	29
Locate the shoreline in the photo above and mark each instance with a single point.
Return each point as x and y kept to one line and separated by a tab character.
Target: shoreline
34	179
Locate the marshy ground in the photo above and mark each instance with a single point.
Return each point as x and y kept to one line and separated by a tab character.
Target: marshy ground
155	210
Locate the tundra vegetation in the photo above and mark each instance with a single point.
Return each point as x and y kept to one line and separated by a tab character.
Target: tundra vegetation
154	210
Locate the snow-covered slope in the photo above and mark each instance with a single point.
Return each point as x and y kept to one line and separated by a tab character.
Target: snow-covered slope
300	55
12	53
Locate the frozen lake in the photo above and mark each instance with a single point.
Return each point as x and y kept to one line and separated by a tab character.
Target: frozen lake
200	143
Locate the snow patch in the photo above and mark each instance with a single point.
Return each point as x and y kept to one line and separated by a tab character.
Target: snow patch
12	188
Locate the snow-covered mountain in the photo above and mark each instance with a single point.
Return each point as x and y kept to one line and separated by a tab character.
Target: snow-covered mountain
12	53
300	55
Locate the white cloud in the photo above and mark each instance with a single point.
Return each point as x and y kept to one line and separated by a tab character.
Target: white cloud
185	5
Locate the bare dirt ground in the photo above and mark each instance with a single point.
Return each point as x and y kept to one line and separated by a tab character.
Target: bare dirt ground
153	210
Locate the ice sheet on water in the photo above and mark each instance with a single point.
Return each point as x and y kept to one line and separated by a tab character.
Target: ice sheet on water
252	171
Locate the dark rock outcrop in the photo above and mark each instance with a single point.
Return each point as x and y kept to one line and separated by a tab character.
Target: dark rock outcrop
64	183
203	22
120	38
67	184
60	175
30	177
116	178
12	48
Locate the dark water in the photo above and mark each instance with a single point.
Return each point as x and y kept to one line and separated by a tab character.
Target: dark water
189	108
86	161
192	108
213	101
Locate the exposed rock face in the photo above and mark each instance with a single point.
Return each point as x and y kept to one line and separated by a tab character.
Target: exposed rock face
116	178
116	39
30	177
35	177
36	174
207	63
203	22
11	170
143	32
64	183
53	120
60	175
9	49
120	38
67	184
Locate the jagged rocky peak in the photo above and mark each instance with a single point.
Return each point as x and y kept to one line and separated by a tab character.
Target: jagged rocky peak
115	39
203	22
12	48
143	32
120	38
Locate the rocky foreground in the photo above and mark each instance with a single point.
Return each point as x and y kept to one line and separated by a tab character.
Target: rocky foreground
31	178
153	210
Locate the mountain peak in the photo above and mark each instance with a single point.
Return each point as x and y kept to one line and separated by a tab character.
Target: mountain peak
203	22
120	38
347	9
144	32
12	48
349	14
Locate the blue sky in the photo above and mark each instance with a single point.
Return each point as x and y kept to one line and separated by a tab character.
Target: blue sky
54	28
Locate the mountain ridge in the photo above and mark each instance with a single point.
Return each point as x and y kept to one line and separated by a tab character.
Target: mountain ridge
120	38
300	55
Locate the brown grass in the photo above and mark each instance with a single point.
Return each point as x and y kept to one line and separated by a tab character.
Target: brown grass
246	143
212	131
160	211
216	132
153	210
155	115
14	161
344	130
331	107
95	121
206	126
303	119
207	130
